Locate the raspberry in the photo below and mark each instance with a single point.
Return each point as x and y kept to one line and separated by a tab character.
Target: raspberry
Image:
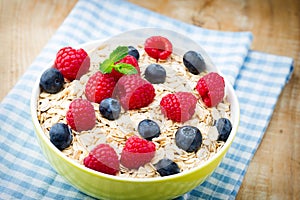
179	106
103	158
81	115
99	86
137	152
72	63
129	60
134	92
158	47
211	89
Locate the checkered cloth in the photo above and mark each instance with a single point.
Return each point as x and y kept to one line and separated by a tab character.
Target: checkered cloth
258	79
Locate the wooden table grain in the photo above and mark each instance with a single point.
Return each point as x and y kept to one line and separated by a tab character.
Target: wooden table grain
274	172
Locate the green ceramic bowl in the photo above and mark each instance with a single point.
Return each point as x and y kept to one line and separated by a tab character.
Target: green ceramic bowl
105	186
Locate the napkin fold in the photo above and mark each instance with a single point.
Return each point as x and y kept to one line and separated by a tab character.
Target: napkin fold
257	77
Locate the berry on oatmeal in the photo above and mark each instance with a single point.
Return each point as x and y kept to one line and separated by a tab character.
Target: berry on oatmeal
103	158
128	66
148	129
188	138
81	115
134	52
134	92
158	47
126	60
144	102
61	136
99	86
137	152
179	106
211	89
166	167
110	108
224	128
155	74
52	81
194	62
72	63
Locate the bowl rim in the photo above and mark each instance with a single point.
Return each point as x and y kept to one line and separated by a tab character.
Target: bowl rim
90	46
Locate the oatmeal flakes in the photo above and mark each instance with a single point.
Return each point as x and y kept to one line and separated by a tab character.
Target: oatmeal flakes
169	154
160	154
44	104
52	109
213	133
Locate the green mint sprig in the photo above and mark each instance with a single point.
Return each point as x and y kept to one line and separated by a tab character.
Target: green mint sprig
116	55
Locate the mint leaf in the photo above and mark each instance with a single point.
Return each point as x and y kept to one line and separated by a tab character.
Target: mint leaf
106	66
125	68
116	55
119	53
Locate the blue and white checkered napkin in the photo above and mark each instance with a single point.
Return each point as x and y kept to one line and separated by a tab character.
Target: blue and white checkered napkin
257	77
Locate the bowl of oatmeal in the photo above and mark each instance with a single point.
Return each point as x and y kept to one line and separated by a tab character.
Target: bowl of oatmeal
147	146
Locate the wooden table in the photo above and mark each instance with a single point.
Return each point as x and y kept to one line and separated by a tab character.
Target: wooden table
274	172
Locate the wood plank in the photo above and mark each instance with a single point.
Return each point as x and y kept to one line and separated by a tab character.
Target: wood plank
25	28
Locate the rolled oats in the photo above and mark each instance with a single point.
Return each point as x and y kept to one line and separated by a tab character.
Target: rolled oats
52	108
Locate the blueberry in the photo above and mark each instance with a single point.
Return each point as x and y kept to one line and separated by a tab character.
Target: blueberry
148	129
155	74
134	52
52	80
224	128
194	62
188	138
110	108
166	167
60	135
